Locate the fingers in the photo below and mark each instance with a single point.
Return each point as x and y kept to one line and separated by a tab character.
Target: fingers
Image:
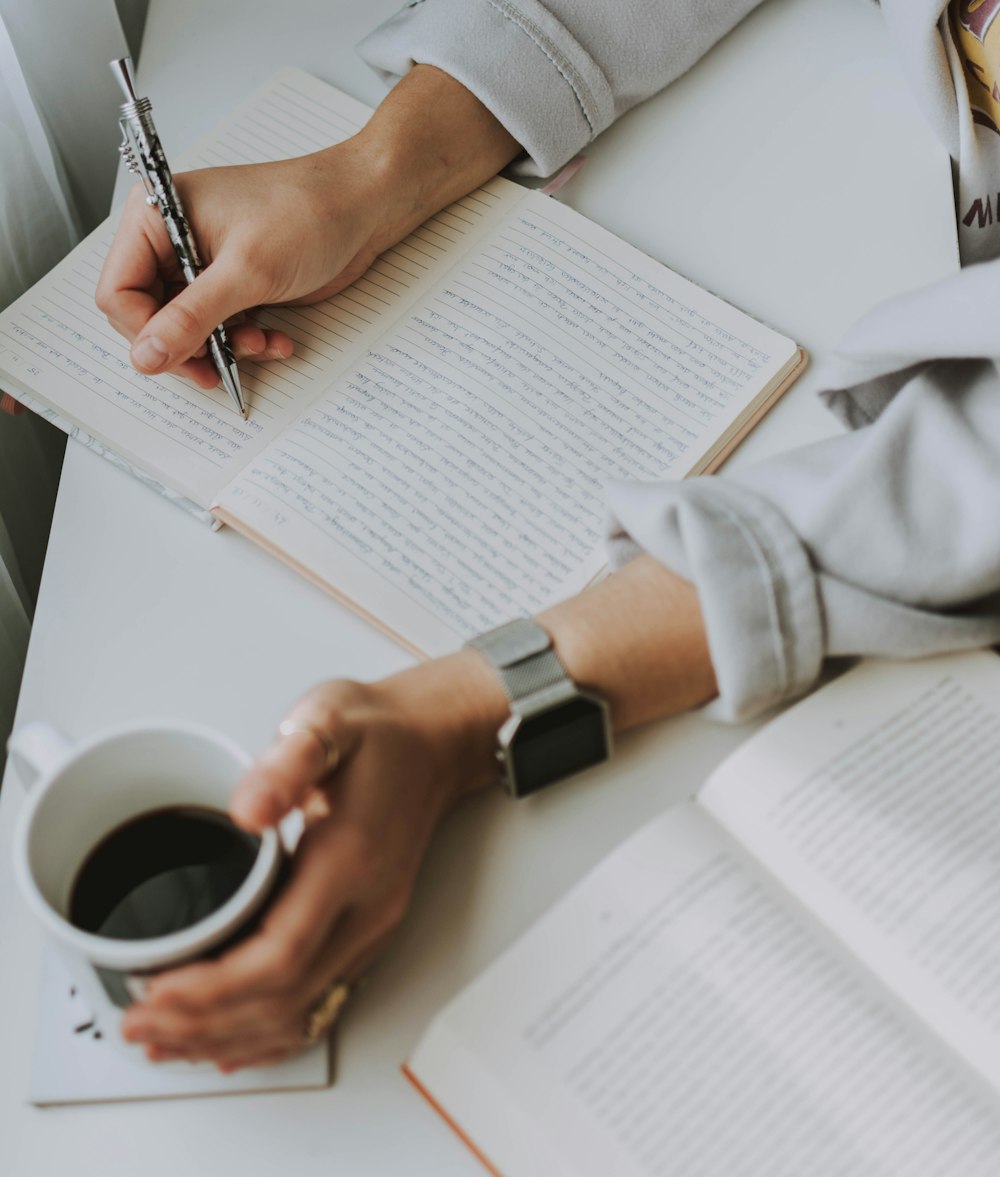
297	764
259	1032
10	406
175	332
248	342
323	882
130	288
175	1027
257	999
282	778
252	342
142	293
230	1056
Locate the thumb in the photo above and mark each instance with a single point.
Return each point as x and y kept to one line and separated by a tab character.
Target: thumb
302	759
181	327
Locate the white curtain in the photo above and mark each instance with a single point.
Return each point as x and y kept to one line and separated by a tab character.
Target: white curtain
57	165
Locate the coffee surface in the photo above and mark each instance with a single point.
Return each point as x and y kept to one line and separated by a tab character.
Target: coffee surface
161	872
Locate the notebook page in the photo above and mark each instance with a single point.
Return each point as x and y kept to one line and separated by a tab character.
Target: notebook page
671	1015
455	477
876	801
56	345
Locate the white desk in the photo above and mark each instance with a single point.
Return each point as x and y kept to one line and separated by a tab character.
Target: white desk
765	174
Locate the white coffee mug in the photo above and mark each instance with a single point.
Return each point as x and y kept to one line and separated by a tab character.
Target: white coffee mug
78	795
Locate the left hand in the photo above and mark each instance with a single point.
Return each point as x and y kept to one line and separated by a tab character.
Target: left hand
409	746
10	406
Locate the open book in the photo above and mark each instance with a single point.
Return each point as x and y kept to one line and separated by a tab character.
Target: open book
436	451
797	972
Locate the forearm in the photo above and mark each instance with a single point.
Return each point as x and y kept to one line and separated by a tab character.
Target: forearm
559	72
637	639
429	143
881	541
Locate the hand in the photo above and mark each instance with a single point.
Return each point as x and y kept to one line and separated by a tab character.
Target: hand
294	231
297	230
408	747
10	406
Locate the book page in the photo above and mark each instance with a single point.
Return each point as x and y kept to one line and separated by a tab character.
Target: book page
57	346
876	803
455	477
672	1015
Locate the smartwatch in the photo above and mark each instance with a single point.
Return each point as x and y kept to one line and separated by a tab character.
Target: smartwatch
555	728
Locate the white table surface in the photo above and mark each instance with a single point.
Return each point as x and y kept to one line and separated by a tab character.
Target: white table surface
772	174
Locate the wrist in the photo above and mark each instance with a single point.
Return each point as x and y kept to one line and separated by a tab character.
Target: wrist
457	705
430	142
638	639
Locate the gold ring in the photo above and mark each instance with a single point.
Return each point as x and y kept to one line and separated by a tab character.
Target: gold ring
325	1010
331	753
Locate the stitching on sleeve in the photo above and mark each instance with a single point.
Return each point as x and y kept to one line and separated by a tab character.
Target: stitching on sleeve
571	76
780	641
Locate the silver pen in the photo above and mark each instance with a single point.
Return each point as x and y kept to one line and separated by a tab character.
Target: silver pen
143	154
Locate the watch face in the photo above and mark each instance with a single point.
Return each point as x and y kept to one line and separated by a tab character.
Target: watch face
557	743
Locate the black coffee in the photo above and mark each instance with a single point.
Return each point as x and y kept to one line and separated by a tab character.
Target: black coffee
161	872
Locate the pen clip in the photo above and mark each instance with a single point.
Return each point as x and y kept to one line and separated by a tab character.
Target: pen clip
132	158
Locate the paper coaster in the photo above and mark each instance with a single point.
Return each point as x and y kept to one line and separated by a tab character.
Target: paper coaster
74	1064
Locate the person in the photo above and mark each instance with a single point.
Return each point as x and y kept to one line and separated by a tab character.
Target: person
728	593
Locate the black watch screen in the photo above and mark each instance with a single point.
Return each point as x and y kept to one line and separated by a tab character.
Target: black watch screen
557	743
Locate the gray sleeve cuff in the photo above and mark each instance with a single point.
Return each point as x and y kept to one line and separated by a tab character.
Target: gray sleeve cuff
519	61
757	590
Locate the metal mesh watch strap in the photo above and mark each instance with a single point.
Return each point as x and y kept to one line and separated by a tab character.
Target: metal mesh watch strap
521	653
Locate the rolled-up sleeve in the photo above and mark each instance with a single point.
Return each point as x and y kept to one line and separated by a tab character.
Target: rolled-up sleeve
555	74
882	541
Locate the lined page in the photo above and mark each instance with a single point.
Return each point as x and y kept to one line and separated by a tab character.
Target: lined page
877	801
56	345
455	478
672	1015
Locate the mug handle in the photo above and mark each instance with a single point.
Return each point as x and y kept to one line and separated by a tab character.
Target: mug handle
37	749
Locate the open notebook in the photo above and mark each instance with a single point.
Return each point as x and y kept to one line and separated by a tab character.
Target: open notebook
436	451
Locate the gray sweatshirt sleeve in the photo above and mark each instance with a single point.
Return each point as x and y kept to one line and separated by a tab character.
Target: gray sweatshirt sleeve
557	73
885	540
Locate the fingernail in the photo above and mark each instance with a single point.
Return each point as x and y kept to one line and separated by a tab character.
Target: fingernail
255	812
149	353
133	1033
251	800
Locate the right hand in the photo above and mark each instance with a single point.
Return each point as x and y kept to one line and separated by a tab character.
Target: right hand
297	230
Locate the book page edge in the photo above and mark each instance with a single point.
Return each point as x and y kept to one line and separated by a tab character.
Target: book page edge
752	416
223	515
469	1143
